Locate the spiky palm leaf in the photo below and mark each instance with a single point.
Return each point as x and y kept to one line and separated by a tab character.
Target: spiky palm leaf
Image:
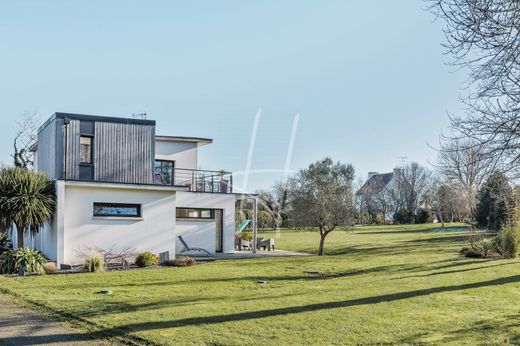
27	199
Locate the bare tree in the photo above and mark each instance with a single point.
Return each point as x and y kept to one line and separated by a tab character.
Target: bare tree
408	191
26	136
484	37
463	164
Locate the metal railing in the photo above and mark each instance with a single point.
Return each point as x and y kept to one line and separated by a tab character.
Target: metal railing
199	180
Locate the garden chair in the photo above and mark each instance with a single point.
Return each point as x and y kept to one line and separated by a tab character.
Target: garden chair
188	248
265	243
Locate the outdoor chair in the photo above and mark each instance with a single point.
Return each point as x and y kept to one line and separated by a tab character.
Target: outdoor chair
188	248
265	243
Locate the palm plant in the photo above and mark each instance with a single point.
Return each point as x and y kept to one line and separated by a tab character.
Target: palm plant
27	200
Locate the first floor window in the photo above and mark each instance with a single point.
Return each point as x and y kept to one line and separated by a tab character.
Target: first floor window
85	149
195	213
164	172
117	209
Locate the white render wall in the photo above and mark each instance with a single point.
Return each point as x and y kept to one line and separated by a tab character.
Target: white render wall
183	153
202	233
154	232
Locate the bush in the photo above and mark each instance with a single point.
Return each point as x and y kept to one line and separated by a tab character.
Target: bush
247	236
50	268
423	216
180	261
31	260
94	262
508	239
147	259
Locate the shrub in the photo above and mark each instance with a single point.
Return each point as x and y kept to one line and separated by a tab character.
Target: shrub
31	260
146	259
181	261
247	236
423	216
508	239
50	268
94	262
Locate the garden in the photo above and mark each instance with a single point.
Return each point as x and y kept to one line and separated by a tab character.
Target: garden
379	284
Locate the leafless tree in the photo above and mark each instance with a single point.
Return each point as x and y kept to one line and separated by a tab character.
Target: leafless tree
464	165
26	135
484	37
409	189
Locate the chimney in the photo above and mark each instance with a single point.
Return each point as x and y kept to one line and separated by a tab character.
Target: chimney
371	174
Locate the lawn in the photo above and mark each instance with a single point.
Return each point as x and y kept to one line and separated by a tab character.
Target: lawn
390	285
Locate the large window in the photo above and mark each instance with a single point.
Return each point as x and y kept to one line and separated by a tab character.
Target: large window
117	209
195	213
85	149
164	172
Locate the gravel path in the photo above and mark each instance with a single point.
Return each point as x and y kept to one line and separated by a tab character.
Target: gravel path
22	326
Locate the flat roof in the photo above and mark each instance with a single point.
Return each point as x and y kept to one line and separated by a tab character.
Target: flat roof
198	140
87	117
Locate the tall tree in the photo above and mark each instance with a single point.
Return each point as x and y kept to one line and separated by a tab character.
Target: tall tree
321	196
465	166
494	197
483	37
27	200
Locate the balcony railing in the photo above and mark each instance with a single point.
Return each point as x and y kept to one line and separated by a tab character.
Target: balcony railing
198	180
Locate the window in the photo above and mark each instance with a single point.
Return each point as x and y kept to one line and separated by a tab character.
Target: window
85	149
164	172
195	213
117	209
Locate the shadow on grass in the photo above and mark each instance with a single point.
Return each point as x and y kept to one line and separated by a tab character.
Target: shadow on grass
125	330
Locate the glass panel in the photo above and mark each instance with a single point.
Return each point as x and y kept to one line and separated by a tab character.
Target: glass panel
190	213
85	155
164	172
107	209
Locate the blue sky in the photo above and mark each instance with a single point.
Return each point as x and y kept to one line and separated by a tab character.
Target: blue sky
367	78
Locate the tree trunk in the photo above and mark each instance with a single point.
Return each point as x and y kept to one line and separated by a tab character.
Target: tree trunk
19	233
322	244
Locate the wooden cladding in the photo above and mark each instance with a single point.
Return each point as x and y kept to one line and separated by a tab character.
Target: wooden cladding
124	153
121	152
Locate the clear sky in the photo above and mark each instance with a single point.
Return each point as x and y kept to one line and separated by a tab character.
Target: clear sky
366	77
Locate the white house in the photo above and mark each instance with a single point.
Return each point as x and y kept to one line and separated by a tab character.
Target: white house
119	186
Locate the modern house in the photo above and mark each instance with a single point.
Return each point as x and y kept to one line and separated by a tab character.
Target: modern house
121	186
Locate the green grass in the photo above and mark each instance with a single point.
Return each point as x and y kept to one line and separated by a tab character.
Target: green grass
388	284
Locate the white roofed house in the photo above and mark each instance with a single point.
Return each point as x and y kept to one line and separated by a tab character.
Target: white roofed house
376	195
119	185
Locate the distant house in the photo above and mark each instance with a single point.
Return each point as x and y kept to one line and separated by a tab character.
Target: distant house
375	194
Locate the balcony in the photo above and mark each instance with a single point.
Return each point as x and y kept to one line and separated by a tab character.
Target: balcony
196	180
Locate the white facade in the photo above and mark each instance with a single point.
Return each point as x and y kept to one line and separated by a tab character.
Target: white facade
75	229
129	164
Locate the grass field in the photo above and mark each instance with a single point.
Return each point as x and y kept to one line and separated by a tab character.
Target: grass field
390	284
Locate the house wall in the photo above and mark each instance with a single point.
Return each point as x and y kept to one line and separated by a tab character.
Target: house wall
155	231
183	153
123	149
202	233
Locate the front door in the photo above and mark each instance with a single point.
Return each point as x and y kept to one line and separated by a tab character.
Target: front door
218	231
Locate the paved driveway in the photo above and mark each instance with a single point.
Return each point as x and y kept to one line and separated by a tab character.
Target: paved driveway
22	326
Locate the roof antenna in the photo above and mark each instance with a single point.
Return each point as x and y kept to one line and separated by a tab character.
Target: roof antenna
403	160
141	115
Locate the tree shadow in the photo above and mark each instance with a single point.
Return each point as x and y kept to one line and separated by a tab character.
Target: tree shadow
242	316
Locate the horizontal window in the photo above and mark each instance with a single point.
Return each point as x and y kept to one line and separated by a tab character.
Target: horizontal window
117	209
195	213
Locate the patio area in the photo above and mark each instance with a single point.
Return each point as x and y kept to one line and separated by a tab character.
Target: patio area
250	254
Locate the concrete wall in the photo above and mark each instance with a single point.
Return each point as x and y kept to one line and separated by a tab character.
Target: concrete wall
155	231
183	153
201	233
